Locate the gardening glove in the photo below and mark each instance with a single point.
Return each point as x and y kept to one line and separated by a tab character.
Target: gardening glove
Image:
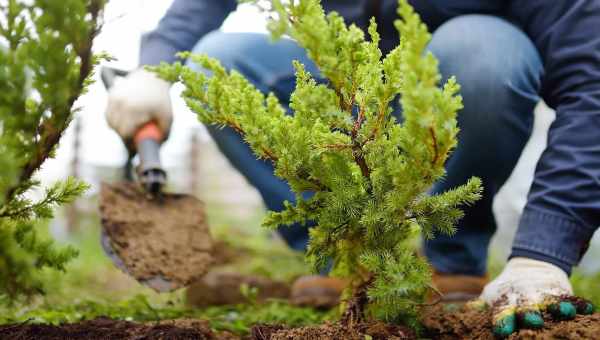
137	99
524	290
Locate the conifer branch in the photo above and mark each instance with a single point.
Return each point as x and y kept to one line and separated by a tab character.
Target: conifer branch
357	153
237	128
50	130
337	146
434	161
383	105
357	150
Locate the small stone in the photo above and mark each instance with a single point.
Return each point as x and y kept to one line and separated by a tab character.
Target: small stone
563	310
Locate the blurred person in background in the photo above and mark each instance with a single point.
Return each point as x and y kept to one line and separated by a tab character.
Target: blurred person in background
507	56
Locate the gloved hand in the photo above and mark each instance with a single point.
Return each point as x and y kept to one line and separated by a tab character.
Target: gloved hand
137	99
524	289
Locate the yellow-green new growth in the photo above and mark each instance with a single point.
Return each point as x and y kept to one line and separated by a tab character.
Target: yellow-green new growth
368	174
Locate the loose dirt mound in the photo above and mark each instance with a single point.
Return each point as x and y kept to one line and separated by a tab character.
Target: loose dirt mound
166	238
376	331
104	328
455	322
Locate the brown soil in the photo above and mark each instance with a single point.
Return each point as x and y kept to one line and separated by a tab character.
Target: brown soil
223	288
441	322
334	331
104	328
157	239
456	322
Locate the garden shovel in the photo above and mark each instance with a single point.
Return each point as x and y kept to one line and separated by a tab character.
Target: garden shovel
159	238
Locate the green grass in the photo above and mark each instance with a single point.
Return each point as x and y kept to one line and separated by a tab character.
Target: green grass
236	318
586	286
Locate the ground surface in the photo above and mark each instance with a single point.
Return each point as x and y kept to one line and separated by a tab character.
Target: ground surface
104	328
446	323
334	331
440	323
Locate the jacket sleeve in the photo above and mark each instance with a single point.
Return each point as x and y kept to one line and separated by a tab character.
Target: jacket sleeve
184	24
563	207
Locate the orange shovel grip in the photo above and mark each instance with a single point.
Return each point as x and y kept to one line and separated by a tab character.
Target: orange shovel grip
149	131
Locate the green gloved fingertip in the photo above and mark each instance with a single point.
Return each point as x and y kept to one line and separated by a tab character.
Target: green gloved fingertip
505	326
585	308
582	306
564	310
530	319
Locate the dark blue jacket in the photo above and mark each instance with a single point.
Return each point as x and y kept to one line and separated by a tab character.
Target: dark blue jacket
566	189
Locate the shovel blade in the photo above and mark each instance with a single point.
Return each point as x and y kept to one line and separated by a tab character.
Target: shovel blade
163	243
158	284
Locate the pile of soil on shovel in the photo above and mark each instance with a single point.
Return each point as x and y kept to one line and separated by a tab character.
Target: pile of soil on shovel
447	322
165	237
104	328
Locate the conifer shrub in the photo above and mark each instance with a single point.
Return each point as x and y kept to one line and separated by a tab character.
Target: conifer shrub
367	174
45	65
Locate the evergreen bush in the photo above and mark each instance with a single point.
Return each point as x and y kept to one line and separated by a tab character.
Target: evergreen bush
358	174
46	62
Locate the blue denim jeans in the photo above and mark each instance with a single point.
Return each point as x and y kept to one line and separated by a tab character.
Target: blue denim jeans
499	70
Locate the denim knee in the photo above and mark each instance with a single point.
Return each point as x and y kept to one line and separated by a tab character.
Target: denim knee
497	66
218	45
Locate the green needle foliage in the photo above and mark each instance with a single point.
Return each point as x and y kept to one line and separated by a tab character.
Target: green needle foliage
367	174
45	65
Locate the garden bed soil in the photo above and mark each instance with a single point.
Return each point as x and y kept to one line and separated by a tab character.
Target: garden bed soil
447	322
164	238
334	331
441	322
104	328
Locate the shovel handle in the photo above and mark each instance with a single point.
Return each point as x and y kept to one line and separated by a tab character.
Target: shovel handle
109	75
149	130
147	141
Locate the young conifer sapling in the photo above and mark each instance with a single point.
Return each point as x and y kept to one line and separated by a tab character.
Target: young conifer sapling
367	173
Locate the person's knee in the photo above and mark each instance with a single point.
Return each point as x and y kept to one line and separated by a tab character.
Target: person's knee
231	48
218	45
495	63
